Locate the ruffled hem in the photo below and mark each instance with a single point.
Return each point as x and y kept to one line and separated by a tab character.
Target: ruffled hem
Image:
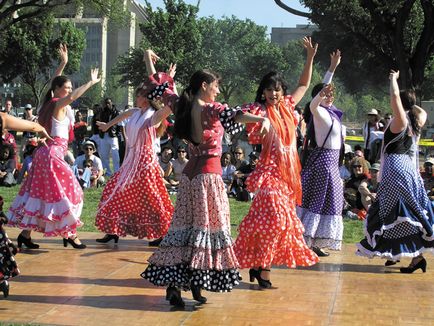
182	276
369	252
57	219
321	231
8	265
123	225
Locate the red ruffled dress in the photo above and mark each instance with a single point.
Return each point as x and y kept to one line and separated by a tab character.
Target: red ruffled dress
51	199
271	233
135	200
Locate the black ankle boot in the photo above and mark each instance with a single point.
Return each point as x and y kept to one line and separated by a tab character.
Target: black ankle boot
4	287
108	237
410	269
174	296
197	295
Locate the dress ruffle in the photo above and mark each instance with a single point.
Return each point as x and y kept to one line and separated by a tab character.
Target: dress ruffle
8	265
198	245
50	200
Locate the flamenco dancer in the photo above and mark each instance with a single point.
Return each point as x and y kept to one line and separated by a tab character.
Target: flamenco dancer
400	221
50	199
8	265
322	202
135	200
197	252
271	233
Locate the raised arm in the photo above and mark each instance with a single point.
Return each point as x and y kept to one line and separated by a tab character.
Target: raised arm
335	60
150	58
104	126
316	101
304	82
63	54
94	79
399	121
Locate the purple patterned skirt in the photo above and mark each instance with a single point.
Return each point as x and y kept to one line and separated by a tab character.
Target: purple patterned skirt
322	203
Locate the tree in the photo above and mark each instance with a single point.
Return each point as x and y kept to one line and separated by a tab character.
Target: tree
174	35
377	35
18	11
29	50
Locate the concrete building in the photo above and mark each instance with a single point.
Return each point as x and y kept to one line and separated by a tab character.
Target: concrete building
281	35
105	42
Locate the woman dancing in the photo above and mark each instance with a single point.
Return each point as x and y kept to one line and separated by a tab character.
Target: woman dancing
197	252
400	220
271	233
135	200
50	199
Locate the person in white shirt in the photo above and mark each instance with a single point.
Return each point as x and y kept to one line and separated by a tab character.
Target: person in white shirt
97	171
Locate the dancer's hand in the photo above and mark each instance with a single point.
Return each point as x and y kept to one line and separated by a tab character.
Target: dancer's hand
44	136
94	78
172	70
335	59
394	75
310	48
102	126
151	54
327	91
63	53
265	126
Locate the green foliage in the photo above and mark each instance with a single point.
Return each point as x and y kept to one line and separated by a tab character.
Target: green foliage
376	36
29	50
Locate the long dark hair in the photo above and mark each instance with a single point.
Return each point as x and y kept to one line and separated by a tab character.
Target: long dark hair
408	101
272	79
46	111
184	105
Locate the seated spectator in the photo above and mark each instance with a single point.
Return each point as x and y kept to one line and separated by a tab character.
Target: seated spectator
359	172
164	160
7	166
427	174
239	159
228	171
177	166
96	176
368	187
240	176
8	138
345	169
27	162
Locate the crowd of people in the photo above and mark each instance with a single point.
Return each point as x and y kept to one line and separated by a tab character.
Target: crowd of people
292	164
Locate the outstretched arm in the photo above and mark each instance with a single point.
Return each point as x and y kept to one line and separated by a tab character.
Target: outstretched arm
335	60
94	79
104	126
399	122
63	54
245	117
150	58
13	123
304	82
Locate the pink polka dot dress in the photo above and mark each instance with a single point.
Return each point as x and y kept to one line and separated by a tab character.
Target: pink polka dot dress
51	199
135	201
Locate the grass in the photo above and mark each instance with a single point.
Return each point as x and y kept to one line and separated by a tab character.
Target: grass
353	230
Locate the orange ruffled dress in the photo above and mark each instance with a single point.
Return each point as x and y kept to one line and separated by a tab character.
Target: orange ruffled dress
271	233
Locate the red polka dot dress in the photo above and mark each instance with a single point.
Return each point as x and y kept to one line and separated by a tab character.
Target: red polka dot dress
135	201
271	233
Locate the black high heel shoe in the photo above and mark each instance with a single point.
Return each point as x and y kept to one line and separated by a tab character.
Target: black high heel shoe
108	237
155	243
391	262
4	287
319	252
72	243
196	291
253	273
173	295
410	269
27	242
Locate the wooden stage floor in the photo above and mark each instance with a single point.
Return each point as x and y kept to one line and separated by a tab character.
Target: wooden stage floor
101	285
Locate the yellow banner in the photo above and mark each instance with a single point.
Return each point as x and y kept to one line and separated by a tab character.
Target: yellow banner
422	142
